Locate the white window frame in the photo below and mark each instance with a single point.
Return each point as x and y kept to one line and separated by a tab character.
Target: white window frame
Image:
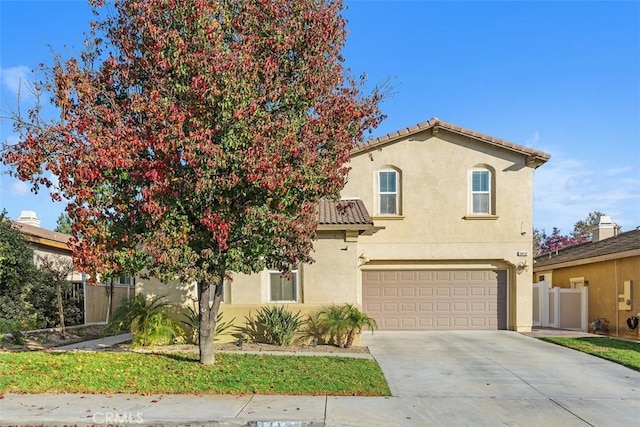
212	294
128	280
487	192
395	193
296	279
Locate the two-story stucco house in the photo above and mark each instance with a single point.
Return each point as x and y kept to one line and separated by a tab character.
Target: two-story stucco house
435	232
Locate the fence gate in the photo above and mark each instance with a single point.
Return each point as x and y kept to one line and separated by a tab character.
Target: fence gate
561	308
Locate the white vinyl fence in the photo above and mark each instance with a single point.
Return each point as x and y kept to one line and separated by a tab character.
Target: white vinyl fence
561	308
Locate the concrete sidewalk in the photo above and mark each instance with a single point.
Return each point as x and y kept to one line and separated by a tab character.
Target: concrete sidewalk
98	344
452	378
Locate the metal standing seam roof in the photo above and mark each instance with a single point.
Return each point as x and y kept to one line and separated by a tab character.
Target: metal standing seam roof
533	156
623	242
343	212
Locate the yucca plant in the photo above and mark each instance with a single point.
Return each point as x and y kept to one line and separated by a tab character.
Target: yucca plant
344	322
145	319
280	325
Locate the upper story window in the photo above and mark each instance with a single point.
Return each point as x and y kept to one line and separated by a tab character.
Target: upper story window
388	192
481	192
283	287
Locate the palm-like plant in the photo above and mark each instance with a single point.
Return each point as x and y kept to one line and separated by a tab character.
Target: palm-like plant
344	322
145	319
192	323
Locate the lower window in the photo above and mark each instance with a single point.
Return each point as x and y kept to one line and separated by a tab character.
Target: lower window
283	287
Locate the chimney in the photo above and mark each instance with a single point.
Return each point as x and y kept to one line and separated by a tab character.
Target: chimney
29	218
604	229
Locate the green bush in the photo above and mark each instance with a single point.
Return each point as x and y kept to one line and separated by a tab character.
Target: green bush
145	319
280	325
44	301
344	322
17	330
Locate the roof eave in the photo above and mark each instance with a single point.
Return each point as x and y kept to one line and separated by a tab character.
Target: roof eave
587	260
362	229
532	158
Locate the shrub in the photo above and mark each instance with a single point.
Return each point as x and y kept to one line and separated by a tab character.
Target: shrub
145	319
16	329
43	300
280	325
192	322
344	322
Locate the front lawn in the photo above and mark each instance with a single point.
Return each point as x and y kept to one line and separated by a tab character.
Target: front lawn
626	353
80	372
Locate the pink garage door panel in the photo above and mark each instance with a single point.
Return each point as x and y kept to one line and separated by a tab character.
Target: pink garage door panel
423	300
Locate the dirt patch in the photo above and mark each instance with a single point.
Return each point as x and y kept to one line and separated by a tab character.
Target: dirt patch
50	338
253	347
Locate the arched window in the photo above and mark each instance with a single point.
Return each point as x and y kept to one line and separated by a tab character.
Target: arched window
389	191
481	191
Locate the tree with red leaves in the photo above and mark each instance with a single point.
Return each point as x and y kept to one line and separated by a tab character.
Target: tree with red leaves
196	137
556	241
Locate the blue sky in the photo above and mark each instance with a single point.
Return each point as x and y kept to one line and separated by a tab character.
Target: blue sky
561	77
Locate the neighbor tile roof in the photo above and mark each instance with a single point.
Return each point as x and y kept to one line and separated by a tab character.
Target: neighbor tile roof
343	212
623	242
533	156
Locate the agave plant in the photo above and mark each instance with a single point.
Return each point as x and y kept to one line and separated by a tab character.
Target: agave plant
280	325
344	322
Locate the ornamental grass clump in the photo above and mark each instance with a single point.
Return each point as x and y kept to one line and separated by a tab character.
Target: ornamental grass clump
280	325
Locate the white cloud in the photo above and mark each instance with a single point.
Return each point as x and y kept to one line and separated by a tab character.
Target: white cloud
534	141
18	80
566	190
19	188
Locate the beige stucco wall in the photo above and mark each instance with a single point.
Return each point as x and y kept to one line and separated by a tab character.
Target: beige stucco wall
332	278
40	252
434	226
433	231
605	281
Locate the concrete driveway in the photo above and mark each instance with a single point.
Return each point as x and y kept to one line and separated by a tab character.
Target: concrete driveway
488	378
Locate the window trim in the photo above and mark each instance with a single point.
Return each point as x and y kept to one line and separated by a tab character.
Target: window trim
296	292
380	193
128	281
225	290
489	192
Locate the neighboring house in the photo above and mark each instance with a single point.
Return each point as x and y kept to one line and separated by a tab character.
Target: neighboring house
609	266
436	234
94	300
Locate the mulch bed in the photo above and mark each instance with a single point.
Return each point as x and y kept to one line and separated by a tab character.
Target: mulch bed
47	339
44	340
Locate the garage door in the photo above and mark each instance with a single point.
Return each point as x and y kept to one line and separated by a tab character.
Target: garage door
423	300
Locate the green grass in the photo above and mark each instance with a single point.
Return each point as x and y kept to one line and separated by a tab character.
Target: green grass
79	372
625	353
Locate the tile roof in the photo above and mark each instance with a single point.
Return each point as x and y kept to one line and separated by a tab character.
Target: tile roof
623	242
534	157
343	212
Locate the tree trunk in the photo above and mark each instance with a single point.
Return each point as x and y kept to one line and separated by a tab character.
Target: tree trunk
351	335
60	308
208	315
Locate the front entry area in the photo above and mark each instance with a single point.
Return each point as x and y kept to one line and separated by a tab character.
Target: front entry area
436	299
